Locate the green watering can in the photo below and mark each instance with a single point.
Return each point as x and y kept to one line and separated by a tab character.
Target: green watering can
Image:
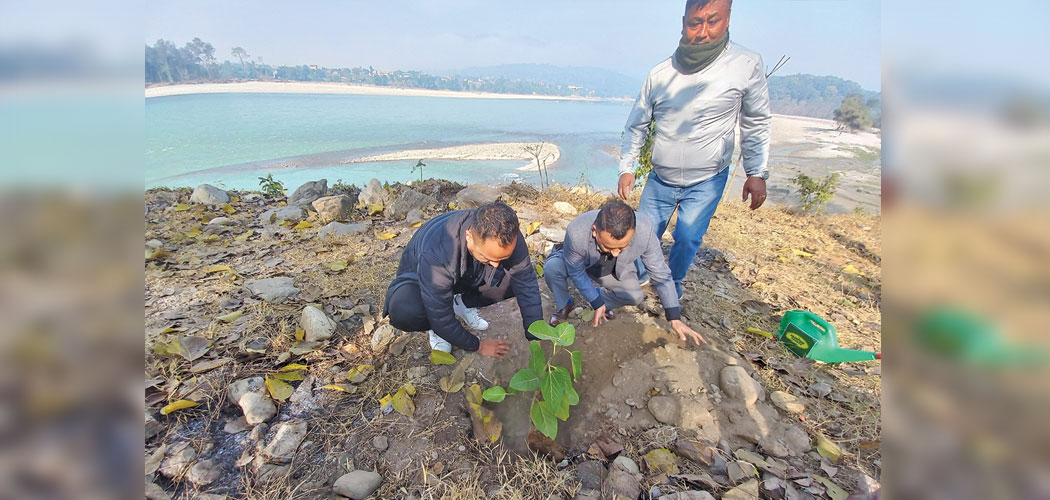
809	336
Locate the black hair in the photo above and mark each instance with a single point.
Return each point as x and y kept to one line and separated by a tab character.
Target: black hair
699	4
616	218
495	220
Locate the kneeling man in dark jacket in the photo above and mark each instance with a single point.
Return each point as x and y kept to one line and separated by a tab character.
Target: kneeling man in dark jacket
455	263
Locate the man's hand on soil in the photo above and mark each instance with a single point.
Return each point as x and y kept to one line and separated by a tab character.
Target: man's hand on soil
599	316
493	348
683	331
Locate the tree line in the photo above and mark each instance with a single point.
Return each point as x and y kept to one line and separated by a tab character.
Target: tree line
196	62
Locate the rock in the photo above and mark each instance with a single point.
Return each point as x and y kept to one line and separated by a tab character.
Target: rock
773	446
688	495
302	399
544	445
565	208
244	386
308	193
178	458
257	408
333	208
153	427
696	451
787	402
206	194
317	325
627	464
236	425
737	384
373	194
277	215
591	474
252	198
382	337
623	482
608	445
155	244
380	443
271	472
407	201
796	440
819	389
154	492
222	221
285	441
416	372
203	473
553	234
746	491
739	470
340	229
274	290
476	195
414	216
661	461
358	484
664	409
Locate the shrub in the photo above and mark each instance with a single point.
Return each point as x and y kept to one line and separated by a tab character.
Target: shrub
270	186
816	193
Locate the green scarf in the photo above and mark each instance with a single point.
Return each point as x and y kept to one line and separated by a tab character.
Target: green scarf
693	58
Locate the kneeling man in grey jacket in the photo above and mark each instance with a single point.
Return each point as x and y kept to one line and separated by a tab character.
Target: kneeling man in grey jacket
598	254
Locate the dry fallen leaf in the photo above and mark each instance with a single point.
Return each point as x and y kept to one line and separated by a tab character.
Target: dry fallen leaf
441	358
278	389
178	405
337	265
303	225
386	235
246	235
347	388
532	228
231	317
403	403
181	207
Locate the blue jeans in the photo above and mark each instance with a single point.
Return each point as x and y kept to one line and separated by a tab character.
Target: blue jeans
695	204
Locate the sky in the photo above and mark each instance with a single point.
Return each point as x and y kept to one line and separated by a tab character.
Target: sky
822	37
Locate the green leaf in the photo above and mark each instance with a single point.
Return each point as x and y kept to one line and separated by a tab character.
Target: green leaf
572	396
494	394
441	358
537	359
566	334
563	409
587	315
554	383
542	330
577	365
525	380
543	419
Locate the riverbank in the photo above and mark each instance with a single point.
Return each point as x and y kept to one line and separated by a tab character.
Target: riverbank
544	152
341	88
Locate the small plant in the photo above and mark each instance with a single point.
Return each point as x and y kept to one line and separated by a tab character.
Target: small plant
342	187
553	382
419	165
816	193
645	156
270	186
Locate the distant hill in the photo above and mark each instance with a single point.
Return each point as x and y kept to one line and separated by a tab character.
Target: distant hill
604	82
816	96
799	94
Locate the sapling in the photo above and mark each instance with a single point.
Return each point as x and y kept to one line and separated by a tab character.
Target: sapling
554	382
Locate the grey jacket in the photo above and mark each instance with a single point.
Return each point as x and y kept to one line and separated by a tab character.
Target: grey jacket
696	117
580	251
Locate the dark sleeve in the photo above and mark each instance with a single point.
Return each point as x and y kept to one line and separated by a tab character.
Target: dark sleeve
523	284
656	265
435	285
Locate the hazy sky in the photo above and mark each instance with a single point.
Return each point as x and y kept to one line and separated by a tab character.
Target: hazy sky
836	37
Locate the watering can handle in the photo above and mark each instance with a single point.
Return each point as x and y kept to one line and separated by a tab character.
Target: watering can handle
824	325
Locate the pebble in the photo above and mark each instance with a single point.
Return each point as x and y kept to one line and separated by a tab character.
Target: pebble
626	463
285	442
203	473
787	402
737	384
358	484
317	325
258	408
380	443
236	425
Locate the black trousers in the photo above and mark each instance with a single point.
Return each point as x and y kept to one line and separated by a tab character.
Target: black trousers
407	313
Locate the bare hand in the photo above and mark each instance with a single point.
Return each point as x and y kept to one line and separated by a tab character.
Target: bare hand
493	348
599	316
683	330
756	187
626	185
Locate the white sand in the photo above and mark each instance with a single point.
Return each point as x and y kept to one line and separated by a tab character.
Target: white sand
486	151
338	88
822	136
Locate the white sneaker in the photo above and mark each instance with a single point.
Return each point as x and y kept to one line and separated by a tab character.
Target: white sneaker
468	314
438	343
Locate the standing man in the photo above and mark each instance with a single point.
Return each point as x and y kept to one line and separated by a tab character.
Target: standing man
455	263
695	99
601	247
